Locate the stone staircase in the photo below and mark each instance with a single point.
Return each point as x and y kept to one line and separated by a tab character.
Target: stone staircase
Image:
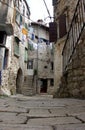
28	87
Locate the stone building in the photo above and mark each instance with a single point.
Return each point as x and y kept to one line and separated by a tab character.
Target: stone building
69	55
42	59
13	45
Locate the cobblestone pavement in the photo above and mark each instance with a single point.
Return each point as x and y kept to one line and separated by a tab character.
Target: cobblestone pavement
41	113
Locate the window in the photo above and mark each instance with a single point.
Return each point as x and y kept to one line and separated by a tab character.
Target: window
18	18
45	67
26	55
26	26
0	78
30	64
23	10
16	47
51	82
3	38
27	13
1	58
17	3
5	59
33	36
30	46
52	66
21	20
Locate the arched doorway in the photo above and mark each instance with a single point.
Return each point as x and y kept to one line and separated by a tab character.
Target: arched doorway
19	81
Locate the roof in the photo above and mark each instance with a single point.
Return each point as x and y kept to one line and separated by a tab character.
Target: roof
41	25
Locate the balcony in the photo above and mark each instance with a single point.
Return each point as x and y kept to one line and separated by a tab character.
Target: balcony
74	34
4	24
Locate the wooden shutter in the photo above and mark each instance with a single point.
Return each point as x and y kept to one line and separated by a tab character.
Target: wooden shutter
62	25
52	31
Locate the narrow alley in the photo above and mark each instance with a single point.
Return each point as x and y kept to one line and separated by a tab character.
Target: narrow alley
41	112
42	65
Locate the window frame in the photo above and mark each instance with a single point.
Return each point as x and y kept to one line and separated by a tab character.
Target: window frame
51	82
6	55
16	47
30	66
26	55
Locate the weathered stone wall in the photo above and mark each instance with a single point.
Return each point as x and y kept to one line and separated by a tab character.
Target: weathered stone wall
9	74
58	62
67	7
73	81
45	57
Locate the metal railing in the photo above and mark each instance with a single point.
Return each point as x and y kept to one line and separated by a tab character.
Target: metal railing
74	33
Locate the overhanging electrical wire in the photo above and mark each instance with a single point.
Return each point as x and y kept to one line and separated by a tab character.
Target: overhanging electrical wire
47	9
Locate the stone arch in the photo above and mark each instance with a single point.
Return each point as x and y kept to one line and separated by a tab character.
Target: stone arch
19	80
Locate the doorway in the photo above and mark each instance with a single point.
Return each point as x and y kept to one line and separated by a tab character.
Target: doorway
43	87
19	81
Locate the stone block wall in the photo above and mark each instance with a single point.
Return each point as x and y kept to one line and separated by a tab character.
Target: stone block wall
73	81
9	77
67	7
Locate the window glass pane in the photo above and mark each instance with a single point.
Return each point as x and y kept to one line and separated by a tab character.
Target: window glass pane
18	17
30	64
16	49
5	59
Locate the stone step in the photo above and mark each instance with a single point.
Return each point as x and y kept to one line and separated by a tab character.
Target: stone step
28	89
28	92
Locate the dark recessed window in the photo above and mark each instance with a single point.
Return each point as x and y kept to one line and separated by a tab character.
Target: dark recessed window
2	37
45	67
52	66
5	63
52	82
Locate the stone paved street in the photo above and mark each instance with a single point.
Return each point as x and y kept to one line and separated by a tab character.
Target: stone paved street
41	113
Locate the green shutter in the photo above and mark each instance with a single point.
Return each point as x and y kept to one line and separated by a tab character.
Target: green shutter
26	55
16	49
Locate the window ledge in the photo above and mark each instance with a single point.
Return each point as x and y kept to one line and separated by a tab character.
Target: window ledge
16	55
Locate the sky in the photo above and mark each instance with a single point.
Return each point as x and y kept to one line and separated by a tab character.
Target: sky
38	10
